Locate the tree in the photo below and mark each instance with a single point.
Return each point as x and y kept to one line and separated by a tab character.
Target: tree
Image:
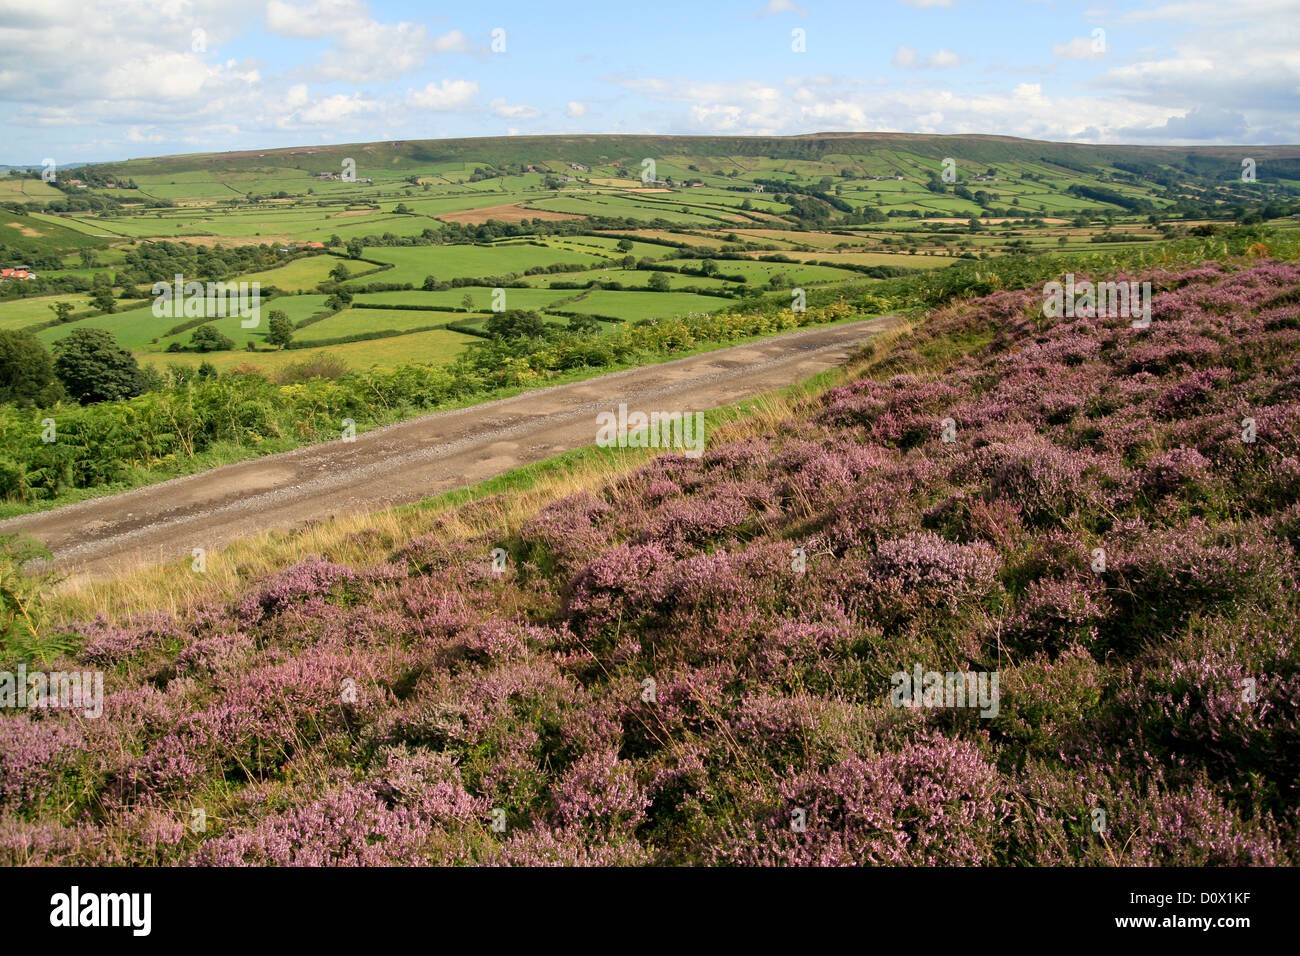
103	300
355	248
516	323
207	339
340	273
624	246
467	303
660	282
583	324
94	368
62	311
26	370
280	329
430	283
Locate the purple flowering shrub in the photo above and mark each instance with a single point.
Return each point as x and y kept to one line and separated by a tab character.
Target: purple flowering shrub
672	665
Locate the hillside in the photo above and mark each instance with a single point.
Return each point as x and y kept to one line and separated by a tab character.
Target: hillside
677	664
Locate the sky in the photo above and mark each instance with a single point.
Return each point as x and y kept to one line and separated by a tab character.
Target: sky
99	80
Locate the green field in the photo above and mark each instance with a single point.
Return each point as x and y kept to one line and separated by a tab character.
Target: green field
630	306
357	321
482	296
305	273
434	347
20	313
413	263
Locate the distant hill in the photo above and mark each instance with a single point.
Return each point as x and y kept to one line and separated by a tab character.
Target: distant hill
604	149
23	167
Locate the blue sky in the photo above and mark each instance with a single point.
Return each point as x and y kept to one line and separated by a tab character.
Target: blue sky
111	79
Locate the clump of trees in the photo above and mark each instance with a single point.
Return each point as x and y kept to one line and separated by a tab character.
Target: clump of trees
26	371
94	368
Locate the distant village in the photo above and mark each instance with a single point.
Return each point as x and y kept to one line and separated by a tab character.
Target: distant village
16	272
78	184
359	179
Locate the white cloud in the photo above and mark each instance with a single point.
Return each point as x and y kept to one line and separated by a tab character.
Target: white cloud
908	58
453	42
927	3
943	59
781	6
363	50
752	108
505	111
134	135
447	95
336	109
904	56
1079	48
575	109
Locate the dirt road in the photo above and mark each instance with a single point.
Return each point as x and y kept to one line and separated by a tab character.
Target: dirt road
405	462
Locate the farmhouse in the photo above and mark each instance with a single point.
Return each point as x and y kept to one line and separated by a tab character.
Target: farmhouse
16	272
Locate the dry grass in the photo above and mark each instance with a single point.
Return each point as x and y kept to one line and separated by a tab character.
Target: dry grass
364	539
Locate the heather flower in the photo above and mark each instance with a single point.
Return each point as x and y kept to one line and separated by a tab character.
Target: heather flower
1173	471
313	578
107	645
936	569
600	793
936	802
570	531
33	755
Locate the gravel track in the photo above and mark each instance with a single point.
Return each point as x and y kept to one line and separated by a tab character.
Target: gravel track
405	462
